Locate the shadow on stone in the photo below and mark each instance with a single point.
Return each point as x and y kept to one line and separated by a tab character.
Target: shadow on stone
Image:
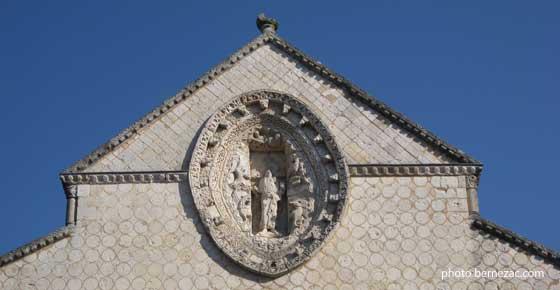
206	241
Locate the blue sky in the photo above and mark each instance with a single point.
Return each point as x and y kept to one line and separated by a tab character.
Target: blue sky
482	75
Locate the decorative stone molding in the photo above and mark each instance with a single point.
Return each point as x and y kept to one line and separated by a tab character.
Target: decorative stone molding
268	180
35	245
515	239
272	38
356	170
372	170
470	171
123	177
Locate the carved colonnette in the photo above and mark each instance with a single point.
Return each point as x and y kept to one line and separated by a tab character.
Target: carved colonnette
472	193
71	192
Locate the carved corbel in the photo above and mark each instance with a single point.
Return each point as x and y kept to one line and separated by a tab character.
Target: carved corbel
472	193
71	191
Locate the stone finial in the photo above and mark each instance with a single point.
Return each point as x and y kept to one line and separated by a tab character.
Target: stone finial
266	24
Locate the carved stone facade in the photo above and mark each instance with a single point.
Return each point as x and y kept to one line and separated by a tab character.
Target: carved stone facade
269	181
273	172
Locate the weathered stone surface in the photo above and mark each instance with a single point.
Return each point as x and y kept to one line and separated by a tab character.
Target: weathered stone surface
190	192
149	236
363	135
265	191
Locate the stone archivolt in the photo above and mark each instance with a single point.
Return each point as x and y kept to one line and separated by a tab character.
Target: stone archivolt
268	180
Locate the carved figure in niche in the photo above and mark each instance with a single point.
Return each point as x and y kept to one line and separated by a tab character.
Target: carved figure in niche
254	133
270	195
265	137
269	185
300	195
240	184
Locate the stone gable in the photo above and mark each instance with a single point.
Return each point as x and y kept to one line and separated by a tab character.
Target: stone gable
364	135
370	200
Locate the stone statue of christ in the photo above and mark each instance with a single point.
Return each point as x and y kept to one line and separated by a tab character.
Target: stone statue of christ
270	196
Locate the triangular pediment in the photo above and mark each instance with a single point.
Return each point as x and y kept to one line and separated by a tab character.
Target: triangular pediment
369	131
273	172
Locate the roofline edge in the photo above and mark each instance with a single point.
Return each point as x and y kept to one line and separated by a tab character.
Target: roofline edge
515	239
353	90
167	105
380	107
36	245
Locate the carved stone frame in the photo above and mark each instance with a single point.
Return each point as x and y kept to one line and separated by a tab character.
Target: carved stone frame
272	257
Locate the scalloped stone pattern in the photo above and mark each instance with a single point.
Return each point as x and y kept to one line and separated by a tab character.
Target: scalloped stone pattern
397	233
